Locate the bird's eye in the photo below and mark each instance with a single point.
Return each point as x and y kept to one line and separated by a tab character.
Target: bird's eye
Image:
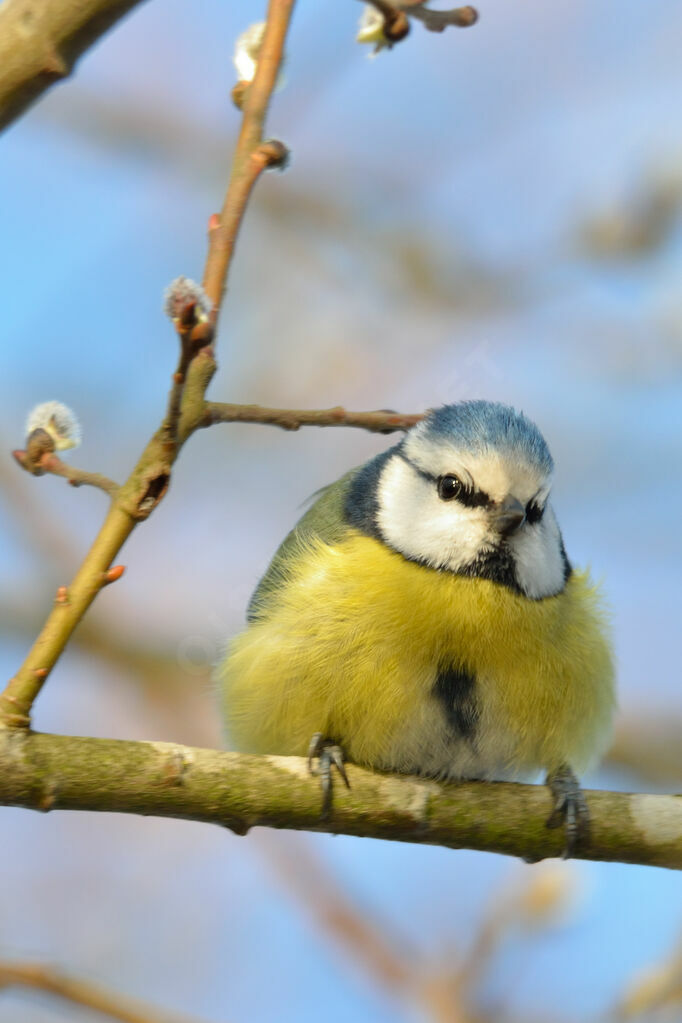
449	487
534	513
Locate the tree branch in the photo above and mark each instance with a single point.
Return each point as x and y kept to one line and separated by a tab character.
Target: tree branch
149	480
383	421
395	14
81	992
51	464
253	154
41	42
240	791
437	21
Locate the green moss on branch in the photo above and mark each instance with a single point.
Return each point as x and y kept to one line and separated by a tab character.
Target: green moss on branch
239	791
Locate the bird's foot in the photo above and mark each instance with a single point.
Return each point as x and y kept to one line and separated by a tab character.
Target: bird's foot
328	755
570	808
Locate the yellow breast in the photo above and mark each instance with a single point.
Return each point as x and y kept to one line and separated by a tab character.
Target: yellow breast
353	641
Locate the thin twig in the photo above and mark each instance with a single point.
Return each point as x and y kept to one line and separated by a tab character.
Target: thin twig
51	464
193	337
437	21
148	483
396	12
291	419
82	992
175	404
252	156
188	307
242	791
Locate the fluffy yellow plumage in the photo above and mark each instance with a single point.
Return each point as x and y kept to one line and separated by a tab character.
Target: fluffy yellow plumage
355	636
423	617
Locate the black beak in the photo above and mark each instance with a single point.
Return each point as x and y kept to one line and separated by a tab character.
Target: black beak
508	517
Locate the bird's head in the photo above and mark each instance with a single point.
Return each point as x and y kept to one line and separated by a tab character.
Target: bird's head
467	491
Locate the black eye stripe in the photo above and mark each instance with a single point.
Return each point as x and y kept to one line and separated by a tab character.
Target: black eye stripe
466	496
475	498
451	487
417	468
534	513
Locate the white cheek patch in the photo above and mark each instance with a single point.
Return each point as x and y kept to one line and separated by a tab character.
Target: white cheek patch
540	568
414	520
417	523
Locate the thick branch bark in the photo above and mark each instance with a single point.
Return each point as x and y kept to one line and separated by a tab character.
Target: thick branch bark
40	43
239	791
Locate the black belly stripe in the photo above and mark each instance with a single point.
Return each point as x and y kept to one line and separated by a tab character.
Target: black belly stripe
455	689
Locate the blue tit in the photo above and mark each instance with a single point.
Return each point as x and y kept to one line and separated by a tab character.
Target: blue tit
423	617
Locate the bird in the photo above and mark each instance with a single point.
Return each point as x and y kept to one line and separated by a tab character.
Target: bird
423	618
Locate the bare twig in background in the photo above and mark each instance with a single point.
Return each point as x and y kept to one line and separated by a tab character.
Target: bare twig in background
649	746
83	993
40	44
41	532
309	879
396	969
529	903
640	224
241	791
654	991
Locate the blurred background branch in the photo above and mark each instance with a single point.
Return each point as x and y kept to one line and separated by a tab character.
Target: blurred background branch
82	993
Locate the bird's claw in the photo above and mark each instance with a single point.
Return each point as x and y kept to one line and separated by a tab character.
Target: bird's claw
328	755
570	808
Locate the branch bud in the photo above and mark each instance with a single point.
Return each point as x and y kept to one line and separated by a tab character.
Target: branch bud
371	29
113	574
238	93
397	27
274	153
39	443
246	54
186	303
58	422
466	16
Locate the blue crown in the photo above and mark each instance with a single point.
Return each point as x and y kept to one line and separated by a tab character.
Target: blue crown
483	425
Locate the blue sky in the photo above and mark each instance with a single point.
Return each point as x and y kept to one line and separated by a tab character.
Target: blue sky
425	245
